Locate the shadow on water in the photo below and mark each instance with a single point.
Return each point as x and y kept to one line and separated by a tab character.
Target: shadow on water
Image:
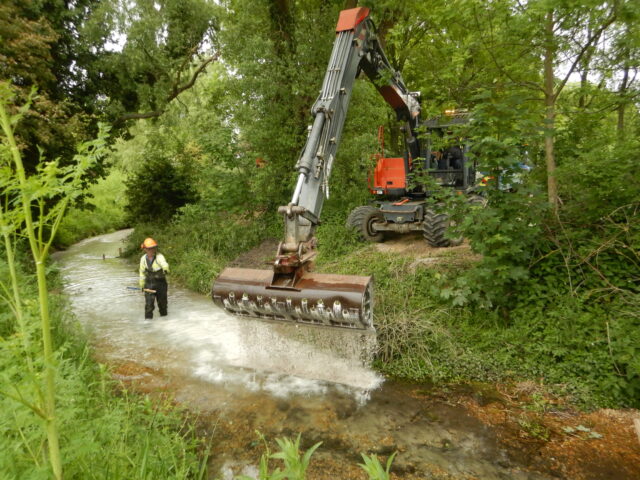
242	375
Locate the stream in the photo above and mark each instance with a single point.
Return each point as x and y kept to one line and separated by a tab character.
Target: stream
241	376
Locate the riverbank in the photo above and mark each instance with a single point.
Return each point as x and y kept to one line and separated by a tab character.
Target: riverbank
132	435
459	432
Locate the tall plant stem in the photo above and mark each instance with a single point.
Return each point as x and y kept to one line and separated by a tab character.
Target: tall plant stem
550	101
39	252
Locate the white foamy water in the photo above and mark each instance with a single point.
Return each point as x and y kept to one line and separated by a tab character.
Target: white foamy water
201	342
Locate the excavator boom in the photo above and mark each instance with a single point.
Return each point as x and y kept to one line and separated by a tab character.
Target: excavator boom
290	291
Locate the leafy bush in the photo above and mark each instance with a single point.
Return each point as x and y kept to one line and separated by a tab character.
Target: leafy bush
156	190
507	233
597	180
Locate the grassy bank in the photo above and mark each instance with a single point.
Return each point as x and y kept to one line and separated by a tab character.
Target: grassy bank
199	243
105	431
569	343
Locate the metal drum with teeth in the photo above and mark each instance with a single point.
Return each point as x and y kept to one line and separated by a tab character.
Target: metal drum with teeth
317	299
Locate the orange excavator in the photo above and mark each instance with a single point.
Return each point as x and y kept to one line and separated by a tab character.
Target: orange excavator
289	291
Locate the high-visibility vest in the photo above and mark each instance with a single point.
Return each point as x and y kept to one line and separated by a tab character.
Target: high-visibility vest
158	264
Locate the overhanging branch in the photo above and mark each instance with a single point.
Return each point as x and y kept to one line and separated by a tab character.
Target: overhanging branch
175	91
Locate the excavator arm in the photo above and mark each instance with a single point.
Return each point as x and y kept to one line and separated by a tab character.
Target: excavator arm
290	291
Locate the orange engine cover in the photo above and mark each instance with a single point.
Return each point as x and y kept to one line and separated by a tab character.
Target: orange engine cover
389	174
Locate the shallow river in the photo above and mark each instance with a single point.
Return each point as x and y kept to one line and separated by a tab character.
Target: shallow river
242	375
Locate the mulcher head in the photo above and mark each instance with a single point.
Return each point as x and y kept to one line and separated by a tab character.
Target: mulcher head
316	299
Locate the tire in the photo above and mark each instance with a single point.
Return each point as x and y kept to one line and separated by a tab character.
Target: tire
477	200
361	220
434	228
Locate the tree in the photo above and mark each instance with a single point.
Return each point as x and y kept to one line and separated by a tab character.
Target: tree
562	35
35	51
144	54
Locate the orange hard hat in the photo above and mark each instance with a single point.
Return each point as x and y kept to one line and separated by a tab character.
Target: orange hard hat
149	243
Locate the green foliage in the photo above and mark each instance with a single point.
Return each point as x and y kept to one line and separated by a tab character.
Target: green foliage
578	347
98	417
38	50
597	179
279	74
142	55
32	208
507	231
157	190
295	463
101	212
374	468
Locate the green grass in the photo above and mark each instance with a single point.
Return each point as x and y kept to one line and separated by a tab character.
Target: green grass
574	347
106	431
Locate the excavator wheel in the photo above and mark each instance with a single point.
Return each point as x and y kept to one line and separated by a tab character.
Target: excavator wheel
361	219
434	228
477	201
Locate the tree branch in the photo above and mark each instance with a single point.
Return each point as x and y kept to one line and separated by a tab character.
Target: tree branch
593	38
175	91
138	116
178	90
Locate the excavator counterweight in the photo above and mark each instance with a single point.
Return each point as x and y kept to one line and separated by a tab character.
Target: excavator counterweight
290	291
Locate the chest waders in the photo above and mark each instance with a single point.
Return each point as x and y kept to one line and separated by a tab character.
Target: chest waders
155	281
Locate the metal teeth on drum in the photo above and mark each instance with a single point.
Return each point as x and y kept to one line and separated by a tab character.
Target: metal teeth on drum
319	299
288	310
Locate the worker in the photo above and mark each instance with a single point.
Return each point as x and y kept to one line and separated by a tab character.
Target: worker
153	278
454	157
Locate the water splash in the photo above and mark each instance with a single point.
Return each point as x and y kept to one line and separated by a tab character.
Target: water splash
198	341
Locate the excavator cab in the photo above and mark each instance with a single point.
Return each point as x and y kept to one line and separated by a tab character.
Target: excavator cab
446	157
389	175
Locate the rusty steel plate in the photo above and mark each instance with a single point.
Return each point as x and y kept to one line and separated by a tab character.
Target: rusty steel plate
317	299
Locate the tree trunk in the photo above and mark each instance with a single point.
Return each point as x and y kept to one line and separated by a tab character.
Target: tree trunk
584	72
622	105
584	77
549	121
282	26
